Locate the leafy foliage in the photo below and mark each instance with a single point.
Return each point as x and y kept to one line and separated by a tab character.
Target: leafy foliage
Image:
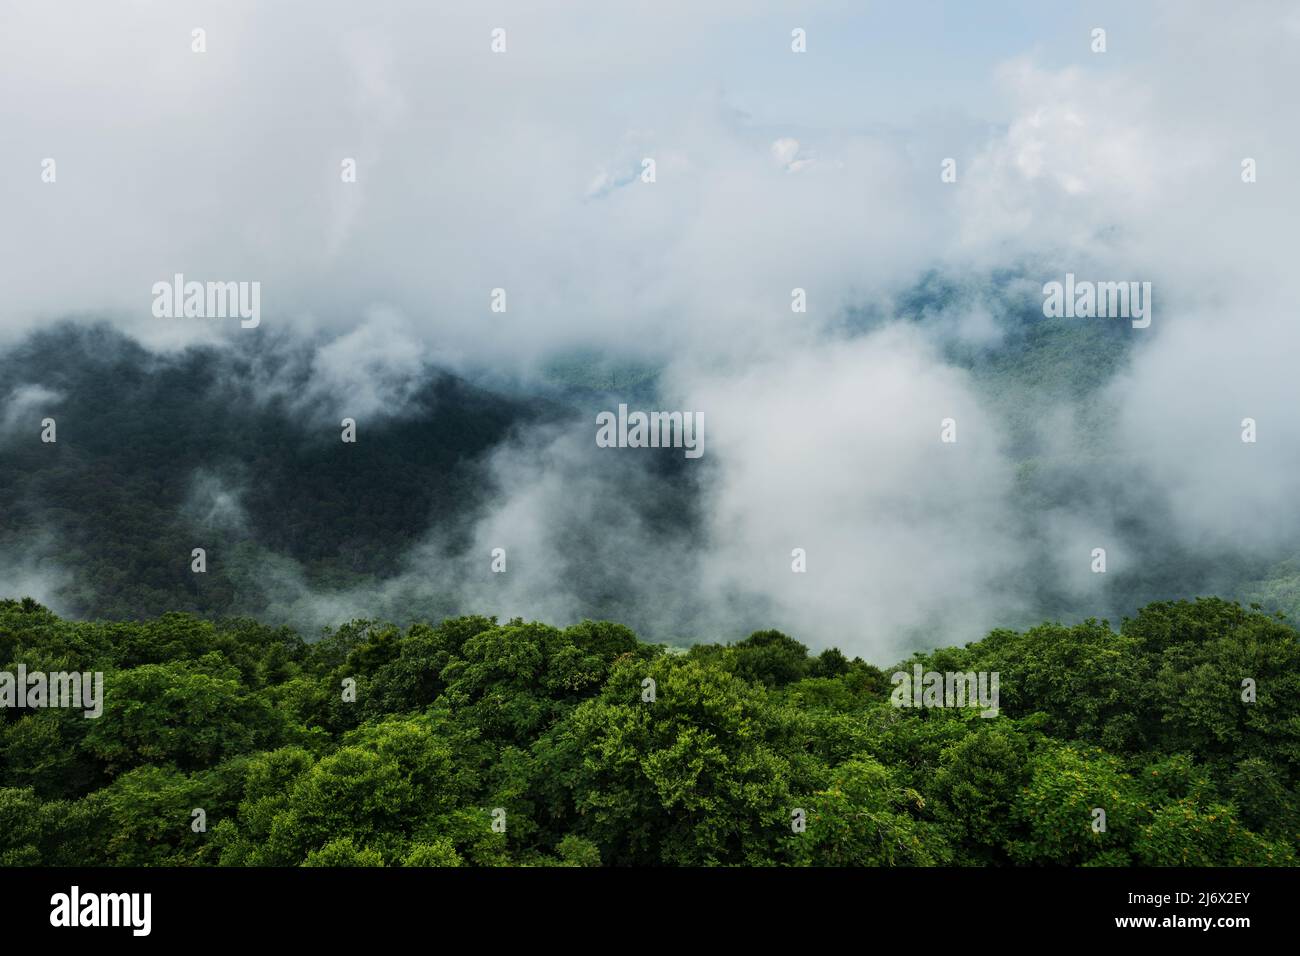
476	743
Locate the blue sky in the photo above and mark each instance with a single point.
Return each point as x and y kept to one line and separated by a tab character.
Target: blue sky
888	63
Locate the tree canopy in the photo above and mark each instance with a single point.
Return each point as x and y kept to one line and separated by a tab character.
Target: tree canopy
473	742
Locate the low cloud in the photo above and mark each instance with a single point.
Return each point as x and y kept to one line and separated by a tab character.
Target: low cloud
522	172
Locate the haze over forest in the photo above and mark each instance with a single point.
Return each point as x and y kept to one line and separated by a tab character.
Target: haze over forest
774	172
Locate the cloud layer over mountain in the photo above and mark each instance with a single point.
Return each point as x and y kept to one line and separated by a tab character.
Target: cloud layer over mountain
523	171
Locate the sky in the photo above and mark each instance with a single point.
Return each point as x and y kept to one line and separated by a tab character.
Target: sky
774	170
228	161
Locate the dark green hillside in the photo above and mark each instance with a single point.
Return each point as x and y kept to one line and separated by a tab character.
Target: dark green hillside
230	449
148	444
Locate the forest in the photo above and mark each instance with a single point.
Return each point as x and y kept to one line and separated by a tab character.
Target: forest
234	450
471	742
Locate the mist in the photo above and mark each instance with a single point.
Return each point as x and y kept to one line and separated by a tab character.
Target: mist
523	172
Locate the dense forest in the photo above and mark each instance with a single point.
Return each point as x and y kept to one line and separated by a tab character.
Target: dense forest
232	735
477	743
229	448
233	449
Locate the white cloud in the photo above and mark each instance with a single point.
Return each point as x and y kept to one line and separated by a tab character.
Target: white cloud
521	172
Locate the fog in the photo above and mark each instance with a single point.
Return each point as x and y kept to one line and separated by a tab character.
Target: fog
774	171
